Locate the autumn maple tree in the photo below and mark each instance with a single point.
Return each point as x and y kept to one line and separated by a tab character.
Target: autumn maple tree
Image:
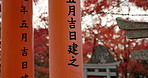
41	40
41	53
105	31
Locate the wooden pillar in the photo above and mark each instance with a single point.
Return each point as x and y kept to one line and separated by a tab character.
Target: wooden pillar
17	47
65	50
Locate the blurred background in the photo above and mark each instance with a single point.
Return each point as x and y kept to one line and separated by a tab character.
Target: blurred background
99	27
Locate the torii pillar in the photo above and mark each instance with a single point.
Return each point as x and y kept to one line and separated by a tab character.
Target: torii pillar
17	41
65	48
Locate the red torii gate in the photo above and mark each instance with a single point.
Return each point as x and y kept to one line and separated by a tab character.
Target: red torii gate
65	39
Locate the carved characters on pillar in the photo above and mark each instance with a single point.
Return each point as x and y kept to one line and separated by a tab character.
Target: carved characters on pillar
24	39
72	48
